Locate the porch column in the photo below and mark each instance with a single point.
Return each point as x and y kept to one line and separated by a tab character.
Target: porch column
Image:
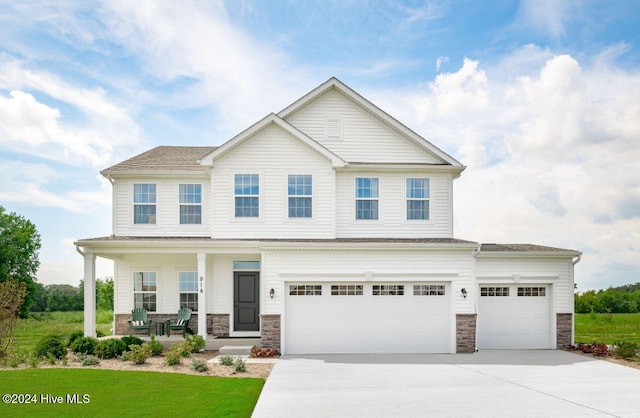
90	294
202	295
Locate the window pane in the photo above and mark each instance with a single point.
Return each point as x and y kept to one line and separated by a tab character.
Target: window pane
247	207
299	207
366	209
417	188
190	214
299	185
188	281
246	184
144	214
246	265
366	187
190	193
144	193
189	300
417	209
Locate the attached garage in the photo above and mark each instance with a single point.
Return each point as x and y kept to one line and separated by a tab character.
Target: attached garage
368	318
514	317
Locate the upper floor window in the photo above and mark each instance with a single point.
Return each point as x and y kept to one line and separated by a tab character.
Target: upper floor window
300	191
188	286
366	198
144	290
247	192
418	198
190	196
144	203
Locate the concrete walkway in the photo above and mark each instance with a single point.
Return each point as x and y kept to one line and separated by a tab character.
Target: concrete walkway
530	383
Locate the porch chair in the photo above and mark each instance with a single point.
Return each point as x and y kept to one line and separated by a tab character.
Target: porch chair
139	320
184	315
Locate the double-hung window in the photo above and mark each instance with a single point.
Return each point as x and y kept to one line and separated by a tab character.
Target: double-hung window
144	290
366	198
418	198
190	196
247	195
188	282
144	203
300	191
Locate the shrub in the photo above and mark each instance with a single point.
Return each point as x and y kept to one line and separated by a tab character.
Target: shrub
225	360
110	348
138	354
195	342
199	366
184	348
130	340
85	345
51	345
90	360
155	346
34	361
74	336
174	357
625	349
240	365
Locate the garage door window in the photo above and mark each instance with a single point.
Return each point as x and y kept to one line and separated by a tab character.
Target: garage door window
388	290
494	291
346	290
428	290
531	291
305	290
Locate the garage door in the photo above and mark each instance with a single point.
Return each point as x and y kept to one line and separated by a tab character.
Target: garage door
514	316
367	318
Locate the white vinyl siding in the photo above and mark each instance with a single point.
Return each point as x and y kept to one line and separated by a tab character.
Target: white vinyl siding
392	211
362	136
273	154
167	208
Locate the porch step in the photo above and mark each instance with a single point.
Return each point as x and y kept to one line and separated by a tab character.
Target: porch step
235	350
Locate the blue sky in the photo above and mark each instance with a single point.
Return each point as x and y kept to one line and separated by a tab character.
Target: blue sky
540	99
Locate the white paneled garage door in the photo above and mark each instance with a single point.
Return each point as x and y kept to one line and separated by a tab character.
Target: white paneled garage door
514	316
367	318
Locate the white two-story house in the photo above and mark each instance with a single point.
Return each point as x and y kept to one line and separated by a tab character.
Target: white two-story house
324	228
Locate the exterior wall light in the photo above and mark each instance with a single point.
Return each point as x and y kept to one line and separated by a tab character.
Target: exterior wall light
464	292
272	293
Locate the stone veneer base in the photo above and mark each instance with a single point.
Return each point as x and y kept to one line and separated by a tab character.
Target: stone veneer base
270	331
564	330
466	333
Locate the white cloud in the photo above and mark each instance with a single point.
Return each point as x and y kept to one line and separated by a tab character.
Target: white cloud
546	15
552	154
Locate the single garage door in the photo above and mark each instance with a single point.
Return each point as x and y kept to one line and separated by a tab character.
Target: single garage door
367	318
514	317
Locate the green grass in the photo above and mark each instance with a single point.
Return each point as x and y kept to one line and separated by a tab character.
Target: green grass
28	331
608	329
125	393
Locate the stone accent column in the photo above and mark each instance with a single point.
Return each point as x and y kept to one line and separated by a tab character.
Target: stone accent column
270	331
90	295
219	325
466	333
564	330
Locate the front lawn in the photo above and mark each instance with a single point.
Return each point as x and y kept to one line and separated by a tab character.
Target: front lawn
125	393
607	328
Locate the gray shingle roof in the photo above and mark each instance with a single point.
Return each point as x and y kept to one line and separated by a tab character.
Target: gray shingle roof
337	240
519	248
163	158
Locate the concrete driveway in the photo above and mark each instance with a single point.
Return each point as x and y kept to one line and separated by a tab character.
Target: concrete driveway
531	383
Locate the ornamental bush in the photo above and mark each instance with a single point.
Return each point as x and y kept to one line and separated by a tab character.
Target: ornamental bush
85	345
51	345
110	348
130	340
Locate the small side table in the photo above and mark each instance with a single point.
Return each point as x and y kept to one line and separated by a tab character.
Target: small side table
162	327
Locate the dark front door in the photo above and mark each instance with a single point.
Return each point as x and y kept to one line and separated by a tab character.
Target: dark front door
246	301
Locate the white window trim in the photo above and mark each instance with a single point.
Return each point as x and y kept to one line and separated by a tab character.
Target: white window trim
260	194
312	196
406	200
201	204
134	291
132	206
188	270
356	198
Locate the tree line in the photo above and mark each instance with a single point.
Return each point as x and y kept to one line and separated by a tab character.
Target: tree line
620	299
64	297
